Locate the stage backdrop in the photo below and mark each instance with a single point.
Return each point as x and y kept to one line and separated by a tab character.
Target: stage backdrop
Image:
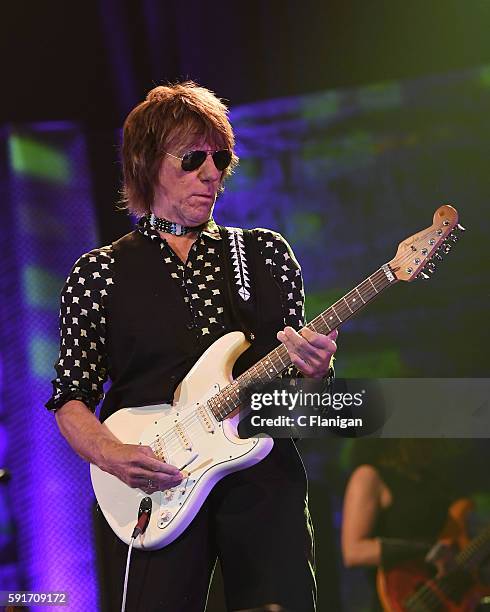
344	175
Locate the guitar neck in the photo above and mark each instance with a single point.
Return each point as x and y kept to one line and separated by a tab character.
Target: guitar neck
278	360
353	301
469	558
476	551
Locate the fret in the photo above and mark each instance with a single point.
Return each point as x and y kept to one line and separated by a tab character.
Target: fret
381	278
218	413
236	392
245	378
369	279
264	371
353	299
318	325
269	367
278	352
276	359
333	308
365	285
258	375
223	405
476	551
325	323
264	374
345	300
227	397
277	363
344	312
360	295
330	317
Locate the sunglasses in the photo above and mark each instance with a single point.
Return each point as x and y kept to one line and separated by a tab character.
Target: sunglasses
193	159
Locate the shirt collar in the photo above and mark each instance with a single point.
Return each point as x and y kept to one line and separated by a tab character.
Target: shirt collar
144	226
211	229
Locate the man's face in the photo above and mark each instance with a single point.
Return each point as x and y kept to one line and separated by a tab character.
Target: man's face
187	197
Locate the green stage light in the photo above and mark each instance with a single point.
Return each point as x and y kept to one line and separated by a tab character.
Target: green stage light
34	158
485	76
43	352
41	288
374	363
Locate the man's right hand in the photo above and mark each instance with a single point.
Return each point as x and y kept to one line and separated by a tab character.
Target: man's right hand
138	467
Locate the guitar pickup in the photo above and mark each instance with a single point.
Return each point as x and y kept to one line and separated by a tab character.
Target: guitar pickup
180	431
205	419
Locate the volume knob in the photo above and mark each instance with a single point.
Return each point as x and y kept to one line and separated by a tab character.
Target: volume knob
165	516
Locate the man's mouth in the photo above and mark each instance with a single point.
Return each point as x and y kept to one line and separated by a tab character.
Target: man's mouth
209	196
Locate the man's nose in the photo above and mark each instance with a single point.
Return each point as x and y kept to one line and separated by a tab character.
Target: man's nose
208	171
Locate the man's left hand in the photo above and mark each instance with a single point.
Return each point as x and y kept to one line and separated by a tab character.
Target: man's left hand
309	351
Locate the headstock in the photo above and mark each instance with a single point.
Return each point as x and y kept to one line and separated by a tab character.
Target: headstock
417	256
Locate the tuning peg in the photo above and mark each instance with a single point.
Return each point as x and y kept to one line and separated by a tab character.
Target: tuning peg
446	247
423	275
438	256
430	267
453	237
460	228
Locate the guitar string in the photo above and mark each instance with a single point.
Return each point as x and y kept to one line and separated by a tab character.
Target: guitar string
172	440
169	450
172	436
427	595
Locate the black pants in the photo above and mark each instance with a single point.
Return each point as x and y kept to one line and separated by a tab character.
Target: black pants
255	521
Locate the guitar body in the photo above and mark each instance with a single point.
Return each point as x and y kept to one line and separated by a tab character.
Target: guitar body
186	434
411	586
397	586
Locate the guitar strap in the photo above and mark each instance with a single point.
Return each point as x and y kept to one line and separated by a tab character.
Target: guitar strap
241	293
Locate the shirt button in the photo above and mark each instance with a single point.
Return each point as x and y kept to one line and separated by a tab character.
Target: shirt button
190	326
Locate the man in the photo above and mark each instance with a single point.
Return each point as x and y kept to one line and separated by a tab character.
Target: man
141	312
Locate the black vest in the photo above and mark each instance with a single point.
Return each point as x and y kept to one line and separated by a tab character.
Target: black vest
151	343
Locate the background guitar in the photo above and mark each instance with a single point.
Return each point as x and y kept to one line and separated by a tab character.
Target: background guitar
412	586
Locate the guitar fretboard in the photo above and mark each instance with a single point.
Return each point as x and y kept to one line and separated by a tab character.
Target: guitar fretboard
469	558
275	362
475	552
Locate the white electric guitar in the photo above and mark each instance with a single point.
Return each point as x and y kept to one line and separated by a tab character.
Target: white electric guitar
198	433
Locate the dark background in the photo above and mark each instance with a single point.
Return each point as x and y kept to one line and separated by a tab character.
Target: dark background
91	61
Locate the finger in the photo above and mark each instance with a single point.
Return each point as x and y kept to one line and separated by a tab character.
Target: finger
159	477
317	351
151	482
320	340
333	335
148	459
311	361
296	344
161	468
306	368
